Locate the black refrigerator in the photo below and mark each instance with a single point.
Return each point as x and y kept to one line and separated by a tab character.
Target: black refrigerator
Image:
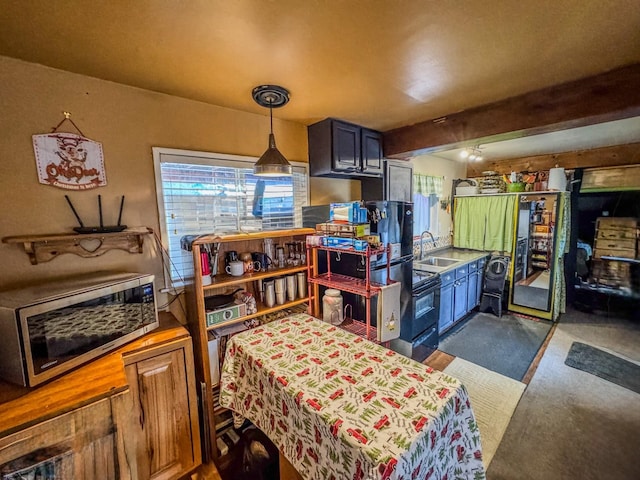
393	221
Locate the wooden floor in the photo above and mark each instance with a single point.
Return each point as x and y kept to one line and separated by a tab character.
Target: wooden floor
439	360
206	471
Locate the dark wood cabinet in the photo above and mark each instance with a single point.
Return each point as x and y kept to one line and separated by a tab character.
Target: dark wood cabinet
396	183
371	146
345	147
344	150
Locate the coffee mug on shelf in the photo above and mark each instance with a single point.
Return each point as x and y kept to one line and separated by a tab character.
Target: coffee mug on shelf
230	256
250	266
263	259
235	268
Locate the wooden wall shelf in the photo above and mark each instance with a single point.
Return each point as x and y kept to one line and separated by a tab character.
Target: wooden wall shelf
43	248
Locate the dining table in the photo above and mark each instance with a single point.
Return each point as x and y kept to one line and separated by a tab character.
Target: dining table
338	406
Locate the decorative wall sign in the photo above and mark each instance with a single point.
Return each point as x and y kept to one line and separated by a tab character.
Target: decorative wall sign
69	161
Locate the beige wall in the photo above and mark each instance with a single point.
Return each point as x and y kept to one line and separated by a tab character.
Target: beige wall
128	122
328	190
439	167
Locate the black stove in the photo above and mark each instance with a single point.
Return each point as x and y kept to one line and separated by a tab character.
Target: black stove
422	279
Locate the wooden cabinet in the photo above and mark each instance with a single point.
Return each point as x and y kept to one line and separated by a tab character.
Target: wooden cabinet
446	307
460	292
396	183
372	154
162	412
344	150
460	289
472	291
79	444
197	293
131	414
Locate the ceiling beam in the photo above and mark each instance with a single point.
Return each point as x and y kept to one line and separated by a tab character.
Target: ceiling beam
617	155
613	95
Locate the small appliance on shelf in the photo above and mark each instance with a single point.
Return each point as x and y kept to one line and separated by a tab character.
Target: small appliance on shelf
466	186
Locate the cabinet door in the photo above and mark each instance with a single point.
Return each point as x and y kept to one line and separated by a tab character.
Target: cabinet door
472	293
398	181
164	411
79	444
446	307
459	298
346	147
372	151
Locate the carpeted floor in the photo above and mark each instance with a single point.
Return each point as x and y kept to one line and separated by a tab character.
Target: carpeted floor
494	398
506	345
570	424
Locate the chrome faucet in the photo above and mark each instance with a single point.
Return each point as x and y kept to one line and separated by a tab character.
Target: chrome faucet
421	237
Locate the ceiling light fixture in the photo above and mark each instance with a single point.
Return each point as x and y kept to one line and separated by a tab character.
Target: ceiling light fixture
473	153
272	163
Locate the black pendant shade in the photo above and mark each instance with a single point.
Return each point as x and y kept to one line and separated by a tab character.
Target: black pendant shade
272	163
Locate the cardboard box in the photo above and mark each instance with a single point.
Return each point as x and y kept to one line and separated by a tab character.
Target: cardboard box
226	313
355	230
350	212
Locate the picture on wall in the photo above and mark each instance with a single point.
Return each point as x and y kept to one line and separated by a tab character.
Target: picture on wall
69	161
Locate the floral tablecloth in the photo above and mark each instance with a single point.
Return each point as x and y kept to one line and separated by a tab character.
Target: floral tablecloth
340	407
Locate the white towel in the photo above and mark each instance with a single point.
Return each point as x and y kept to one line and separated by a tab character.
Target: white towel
389	312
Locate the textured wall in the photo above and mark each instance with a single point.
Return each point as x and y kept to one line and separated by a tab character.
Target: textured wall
128	121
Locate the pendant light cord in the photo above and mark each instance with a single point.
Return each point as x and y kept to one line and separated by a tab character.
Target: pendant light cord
271	114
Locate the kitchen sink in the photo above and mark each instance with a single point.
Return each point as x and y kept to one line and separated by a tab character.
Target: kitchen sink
434	264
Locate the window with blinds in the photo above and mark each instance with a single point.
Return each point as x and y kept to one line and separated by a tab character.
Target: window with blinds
203	193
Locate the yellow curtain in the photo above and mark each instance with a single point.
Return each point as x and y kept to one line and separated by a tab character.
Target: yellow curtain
484	223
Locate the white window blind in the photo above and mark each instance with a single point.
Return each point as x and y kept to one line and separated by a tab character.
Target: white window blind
203	193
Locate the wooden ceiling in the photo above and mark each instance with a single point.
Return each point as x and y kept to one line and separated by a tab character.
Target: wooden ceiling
379	63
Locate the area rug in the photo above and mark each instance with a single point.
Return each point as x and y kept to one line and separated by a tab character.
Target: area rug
604	365
494	398
506	345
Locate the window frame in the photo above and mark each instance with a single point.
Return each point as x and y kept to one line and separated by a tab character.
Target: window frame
198	158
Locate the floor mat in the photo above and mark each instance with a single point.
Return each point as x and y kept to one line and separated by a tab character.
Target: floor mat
604	365
506	345
494	398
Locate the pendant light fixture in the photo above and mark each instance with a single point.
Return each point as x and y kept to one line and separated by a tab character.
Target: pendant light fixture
272	163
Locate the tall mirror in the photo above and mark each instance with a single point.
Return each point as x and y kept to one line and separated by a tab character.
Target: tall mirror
534	251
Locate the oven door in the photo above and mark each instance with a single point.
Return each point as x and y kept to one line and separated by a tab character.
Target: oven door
426	310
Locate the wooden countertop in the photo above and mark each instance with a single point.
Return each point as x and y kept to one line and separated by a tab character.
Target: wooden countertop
21	407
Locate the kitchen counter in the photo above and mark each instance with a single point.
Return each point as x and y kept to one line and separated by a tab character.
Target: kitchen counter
22	407
462	255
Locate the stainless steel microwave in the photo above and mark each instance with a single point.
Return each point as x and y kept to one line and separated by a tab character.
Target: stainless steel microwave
50	328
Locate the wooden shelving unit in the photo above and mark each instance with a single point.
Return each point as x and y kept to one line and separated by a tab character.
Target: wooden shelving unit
197	292
43	248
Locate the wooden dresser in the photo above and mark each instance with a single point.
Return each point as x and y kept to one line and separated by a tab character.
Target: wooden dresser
131	414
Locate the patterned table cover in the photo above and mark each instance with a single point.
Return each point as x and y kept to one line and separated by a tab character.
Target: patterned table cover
340	407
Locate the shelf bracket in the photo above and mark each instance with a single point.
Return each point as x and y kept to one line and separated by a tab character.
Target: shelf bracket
44	248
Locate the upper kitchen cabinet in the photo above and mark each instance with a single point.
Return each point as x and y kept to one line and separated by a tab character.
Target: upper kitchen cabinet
344	150
396	183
